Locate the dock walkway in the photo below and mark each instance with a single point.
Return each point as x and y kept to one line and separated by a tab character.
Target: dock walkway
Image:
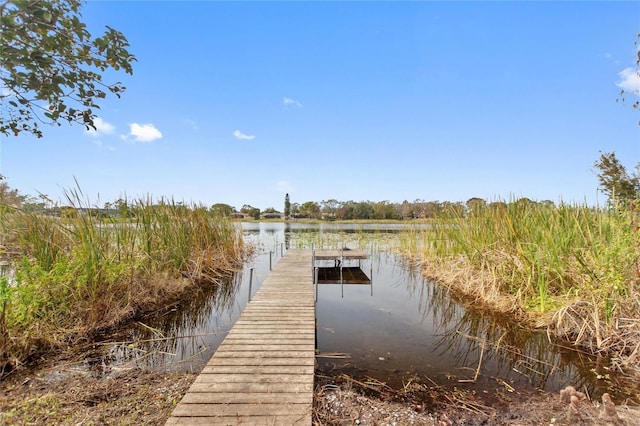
262	373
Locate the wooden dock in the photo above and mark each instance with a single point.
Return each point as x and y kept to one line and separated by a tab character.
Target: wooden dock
262	373
337	254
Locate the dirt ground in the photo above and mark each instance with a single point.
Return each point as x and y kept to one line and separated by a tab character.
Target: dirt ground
64	392
357	403
70	394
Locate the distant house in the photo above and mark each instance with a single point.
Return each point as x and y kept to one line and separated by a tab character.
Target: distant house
238	215
273	215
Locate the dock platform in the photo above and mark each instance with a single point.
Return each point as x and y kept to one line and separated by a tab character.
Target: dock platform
262	373
337	254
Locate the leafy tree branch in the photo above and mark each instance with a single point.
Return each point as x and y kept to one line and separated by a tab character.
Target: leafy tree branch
51	67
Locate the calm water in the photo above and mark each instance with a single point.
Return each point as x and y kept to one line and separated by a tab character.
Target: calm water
399	327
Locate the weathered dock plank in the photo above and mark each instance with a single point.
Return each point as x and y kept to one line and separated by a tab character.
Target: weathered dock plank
262	373
258	369
254	410
251	378
240	420
246	388
243	398
247	360
325	254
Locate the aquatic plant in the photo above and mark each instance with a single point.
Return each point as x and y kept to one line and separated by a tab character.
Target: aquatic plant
572	268
84	272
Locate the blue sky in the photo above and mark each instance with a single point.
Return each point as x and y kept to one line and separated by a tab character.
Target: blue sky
241	102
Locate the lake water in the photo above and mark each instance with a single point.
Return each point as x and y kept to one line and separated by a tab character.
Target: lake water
400	327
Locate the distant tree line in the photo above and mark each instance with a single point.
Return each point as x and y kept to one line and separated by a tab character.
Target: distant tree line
620	186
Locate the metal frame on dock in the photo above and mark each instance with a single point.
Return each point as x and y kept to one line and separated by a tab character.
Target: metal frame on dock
337	255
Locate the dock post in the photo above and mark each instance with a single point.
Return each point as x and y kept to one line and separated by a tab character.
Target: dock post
315	281
371	277
250	282
341	277
313	260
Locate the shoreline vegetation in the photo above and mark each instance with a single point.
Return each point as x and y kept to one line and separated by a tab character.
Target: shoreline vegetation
74	277
572	270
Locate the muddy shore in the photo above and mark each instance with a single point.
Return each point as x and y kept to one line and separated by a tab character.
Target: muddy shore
69	392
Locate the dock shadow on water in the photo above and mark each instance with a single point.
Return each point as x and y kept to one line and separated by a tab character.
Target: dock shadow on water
398	328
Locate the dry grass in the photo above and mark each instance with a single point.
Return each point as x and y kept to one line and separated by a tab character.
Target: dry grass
579	323
66	391
346	401
69	396
79	275
574	270
478	288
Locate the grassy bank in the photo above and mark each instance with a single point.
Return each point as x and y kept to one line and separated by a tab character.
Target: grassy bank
571	268
76	275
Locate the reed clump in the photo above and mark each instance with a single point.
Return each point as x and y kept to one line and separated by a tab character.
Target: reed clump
79	274
570	268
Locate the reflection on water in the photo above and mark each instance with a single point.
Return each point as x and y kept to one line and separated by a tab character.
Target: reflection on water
402	326
182	336
409	327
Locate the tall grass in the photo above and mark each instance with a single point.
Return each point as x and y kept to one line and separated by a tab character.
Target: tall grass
83	273
573	268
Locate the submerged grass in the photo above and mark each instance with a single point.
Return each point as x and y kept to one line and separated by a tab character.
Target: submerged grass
77	275
571	268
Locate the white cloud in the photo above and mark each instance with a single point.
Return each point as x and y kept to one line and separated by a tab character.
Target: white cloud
630	80
289	101
239	135
144	132
102	128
